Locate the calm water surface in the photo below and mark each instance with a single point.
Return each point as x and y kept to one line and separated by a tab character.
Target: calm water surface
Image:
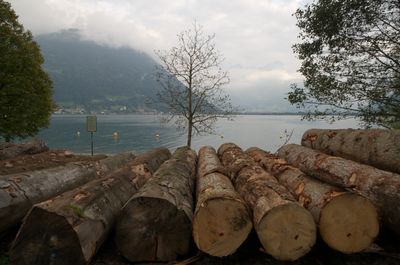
143	132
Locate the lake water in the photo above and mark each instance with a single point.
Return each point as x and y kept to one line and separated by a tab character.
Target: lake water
143	132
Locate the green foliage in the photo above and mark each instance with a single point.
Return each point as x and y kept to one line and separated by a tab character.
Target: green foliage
350	53
77	210
25	89
4	260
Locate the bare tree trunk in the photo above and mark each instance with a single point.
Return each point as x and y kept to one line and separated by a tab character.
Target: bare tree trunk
358	226
19	192
377	147
190	107
70	228
286	230
156	223
28	148
221	220
190	132
381	187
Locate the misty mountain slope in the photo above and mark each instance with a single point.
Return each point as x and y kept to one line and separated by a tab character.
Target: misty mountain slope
97	77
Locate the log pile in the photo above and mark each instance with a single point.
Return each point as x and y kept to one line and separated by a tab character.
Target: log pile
221	219
156	223
375	147
69	228
19	192
381	187
162	206
347	222
286	230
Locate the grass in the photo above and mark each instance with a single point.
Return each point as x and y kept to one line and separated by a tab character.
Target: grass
4	260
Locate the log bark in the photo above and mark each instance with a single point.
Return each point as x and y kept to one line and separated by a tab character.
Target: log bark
376	147
381	187
233	159
347	222
28	148
70	228
286	230
221	220
19	192
156	223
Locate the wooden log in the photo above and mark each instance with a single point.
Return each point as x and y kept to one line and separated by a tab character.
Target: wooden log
221	220
234	159
28	148
286	230
347	222
19	192
70	228
156	223
381	187
376	147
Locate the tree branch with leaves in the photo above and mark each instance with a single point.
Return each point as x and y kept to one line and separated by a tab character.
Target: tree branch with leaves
350	53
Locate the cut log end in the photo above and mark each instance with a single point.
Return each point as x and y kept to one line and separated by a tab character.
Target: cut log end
53	239
349	223
220	226
287	232
165	237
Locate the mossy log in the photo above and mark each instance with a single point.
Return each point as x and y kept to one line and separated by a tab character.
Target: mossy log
31	147
347	222
381	187
19	192
221	219
156	223
70	228
286	230
376	147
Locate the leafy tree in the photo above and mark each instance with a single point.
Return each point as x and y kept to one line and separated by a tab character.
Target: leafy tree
25	89
191	78
350	52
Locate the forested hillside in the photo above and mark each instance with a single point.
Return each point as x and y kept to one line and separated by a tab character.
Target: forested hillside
99	78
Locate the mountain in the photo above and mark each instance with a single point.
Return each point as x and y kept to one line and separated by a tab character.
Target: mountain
94	77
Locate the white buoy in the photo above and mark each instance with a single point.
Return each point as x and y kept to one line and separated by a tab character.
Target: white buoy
115	135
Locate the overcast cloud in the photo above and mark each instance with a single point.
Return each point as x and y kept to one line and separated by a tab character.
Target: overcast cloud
255	36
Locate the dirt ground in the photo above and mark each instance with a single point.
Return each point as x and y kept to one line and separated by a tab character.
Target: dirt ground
51	158
385	252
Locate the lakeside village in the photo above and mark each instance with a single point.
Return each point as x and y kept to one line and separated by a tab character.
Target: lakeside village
120	110
80	110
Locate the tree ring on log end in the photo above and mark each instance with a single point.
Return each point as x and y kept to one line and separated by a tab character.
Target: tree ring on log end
287	232
53	241
153	229
220	226
349	223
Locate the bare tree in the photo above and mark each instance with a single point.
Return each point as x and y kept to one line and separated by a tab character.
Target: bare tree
191	79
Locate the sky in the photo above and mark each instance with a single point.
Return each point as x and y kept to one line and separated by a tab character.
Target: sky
254	36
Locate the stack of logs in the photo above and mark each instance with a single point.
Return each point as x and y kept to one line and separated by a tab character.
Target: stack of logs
161	205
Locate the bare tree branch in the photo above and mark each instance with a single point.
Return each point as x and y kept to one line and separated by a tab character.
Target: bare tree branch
192	79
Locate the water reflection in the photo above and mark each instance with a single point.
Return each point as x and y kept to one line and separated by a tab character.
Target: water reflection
120	133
